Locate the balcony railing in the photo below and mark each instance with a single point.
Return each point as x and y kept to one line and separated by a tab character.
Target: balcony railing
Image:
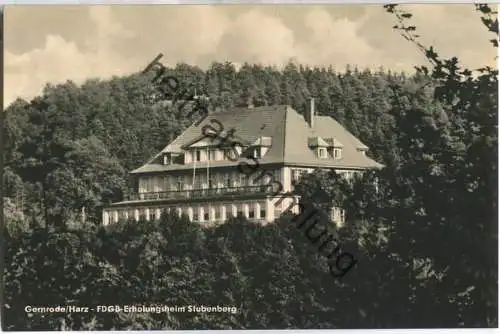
200	193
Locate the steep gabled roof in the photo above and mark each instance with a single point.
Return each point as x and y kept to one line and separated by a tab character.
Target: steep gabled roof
287	132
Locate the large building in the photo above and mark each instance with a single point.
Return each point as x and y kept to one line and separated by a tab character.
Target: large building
197	176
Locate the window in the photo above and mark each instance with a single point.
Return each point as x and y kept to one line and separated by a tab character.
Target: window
231	154
224	212
180	183
196	216
228	180
165	159
149	184
206	216
165	183
156	184
263	213
239	213
296	174
277	175
152	215
197	183
277	212
190	213
210	183
198	155
218	213
322	152
251	214
337	153
211	155
243	180
257	153
237	148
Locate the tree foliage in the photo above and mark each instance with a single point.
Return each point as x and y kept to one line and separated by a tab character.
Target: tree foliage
424	228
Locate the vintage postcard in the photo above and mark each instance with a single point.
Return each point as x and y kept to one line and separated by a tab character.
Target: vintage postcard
219	167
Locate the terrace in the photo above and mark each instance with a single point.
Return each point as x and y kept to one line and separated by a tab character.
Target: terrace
201	193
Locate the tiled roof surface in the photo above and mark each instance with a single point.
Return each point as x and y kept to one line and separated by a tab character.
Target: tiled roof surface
288	131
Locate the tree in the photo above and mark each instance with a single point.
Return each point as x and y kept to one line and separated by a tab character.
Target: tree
423	228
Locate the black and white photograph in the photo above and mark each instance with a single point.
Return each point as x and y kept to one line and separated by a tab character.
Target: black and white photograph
250	167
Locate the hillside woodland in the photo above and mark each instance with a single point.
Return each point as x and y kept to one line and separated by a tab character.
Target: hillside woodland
423	229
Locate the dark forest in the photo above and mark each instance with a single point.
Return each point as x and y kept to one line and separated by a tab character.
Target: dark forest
425	240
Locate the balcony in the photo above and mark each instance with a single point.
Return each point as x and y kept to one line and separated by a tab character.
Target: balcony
200	193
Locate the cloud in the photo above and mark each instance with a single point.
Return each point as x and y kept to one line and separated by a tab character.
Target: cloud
59	60
101	41
107	26
329	41
337	41
256	37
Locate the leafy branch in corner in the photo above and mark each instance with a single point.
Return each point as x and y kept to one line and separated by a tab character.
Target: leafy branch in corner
447	72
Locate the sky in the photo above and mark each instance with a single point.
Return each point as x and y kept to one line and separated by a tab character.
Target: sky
53	44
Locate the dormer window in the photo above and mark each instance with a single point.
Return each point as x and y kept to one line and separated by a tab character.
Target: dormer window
334	147
231	154
260	147
322	152
257	153
362	149
238	149
319	146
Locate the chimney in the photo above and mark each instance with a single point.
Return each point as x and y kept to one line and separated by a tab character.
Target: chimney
310	113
